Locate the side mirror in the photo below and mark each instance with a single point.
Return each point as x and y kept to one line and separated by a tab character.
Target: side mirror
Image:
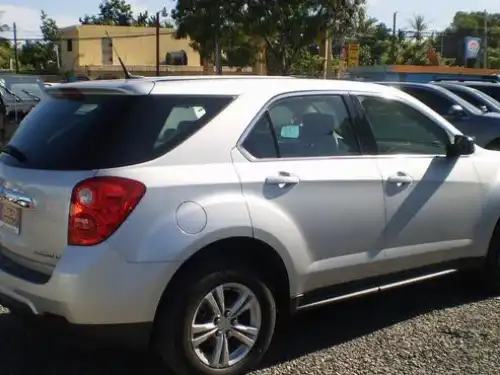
483	108
462	145
456	111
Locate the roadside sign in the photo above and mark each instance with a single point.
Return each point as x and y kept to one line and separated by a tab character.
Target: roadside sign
353	54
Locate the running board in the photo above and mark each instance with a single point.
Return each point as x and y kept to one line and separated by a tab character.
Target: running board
376	289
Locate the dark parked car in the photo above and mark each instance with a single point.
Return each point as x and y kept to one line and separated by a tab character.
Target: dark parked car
483	126
478	98
489	88
20	93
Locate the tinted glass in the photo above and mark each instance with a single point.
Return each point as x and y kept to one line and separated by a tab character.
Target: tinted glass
492	91
308	126
106	131
401	129
467	96
260	143
434	100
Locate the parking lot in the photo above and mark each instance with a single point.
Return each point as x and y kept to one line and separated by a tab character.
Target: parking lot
446	326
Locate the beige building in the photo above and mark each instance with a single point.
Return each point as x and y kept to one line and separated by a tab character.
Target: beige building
88	46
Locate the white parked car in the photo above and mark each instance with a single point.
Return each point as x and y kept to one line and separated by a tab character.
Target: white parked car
199	210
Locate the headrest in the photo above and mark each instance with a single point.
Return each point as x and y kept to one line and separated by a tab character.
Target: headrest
184	126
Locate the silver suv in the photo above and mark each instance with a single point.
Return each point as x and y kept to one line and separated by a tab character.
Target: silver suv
197	211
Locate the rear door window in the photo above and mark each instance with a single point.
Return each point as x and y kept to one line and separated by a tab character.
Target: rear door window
83	132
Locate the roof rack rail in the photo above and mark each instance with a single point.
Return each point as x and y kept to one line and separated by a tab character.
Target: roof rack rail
492	78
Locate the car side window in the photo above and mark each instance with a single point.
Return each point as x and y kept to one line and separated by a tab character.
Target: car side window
434	100
401	129
307	126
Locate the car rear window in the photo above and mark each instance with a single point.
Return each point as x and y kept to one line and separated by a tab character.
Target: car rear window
86	132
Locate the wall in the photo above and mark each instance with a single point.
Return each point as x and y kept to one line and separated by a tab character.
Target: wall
136	45
69	59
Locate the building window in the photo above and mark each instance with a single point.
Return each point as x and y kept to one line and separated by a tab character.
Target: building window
69	45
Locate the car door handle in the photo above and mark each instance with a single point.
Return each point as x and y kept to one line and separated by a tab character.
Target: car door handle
282	179
400	179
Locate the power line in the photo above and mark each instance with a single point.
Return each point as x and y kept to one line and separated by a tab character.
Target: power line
95	37
126	36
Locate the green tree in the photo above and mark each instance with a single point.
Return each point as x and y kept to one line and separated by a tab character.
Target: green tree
374	37
111	12
419	27
6	53
41	55
6	48
148	20
204	22
471	24
288	28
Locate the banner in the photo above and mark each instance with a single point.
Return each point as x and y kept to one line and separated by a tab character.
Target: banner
353	54
472	47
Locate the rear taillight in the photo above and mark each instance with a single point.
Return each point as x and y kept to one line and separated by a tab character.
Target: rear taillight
99	205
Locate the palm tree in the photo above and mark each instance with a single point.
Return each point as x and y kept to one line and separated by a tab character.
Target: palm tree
419	27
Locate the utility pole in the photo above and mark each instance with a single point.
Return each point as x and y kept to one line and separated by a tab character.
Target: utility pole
158	43
218	57
394	21
485	44
218	26
16	52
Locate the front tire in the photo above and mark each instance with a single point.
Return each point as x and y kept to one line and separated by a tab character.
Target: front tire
492	267
216	322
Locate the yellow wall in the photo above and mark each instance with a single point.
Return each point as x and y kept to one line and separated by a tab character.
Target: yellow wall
136	46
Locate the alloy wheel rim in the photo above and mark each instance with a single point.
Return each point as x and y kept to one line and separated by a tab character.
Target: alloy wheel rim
225	325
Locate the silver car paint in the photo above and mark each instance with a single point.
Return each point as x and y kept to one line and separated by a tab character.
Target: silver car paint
330	228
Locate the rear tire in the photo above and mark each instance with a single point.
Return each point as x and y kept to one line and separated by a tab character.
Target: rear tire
194	310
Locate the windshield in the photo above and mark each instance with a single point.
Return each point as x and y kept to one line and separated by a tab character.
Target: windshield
20	88
106	131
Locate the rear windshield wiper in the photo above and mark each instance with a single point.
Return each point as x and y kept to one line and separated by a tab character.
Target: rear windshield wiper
31	95
14	152
11	93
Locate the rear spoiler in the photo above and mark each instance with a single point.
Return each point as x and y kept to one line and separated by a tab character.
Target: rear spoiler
90	88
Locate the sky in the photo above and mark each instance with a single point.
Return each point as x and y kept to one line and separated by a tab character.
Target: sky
26	13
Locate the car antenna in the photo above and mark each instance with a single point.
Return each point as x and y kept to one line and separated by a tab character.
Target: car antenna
124	68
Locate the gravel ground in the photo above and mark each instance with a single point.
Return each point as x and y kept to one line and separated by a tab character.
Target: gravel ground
446	326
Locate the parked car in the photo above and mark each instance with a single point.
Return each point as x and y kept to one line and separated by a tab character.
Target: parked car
236	202
20	93
484	127
477	98
489	88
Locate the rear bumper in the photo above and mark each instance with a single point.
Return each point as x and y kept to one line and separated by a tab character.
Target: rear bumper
91	290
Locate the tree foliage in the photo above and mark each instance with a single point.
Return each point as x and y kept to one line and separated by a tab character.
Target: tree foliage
6	48
285	28
111	12
42	55
471	24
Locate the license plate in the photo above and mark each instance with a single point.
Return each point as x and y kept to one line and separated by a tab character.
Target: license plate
10	218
